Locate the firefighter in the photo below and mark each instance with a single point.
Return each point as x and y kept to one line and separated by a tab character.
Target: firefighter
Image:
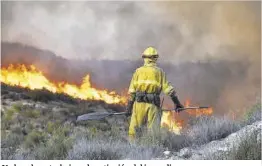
144	94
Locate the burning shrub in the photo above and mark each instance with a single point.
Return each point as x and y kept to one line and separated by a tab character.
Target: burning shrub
28	76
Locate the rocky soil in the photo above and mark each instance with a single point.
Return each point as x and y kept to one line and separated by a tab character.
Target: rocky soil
220	149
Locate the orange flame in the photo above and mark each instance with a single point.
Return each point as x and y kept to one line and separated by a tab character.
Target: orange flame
198	112
30	77
171	121
174	122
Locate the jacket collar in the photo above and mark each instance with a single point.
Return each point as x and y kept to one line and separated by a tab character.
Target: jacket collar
149	62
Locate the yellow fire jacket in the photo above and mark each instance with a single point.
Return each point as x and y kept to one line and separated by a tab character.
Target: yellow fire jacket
151	79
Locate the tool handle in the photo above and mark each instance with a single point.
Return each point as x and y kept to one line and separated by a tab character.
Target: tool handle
161	105
119	113
187	108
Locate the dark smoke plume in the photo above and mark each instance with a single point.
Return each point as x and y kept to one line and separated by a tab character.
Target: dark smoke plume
209	50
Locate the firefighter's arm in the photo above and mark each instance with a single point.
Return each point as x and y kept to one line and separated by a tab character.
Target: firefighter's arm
131	95
169	90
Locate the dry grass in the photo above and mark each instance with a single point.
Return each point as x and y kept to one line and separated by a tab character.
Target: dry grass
206	129
30	133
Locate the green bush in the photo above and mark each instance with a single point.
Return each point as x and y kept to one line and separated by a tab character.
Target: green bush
8	114
29	113
18	107
51	127
56	147
34	138
28	127
253	114
5	124
3	134
115	132
206	129
12	140
248	149
9	145
16	129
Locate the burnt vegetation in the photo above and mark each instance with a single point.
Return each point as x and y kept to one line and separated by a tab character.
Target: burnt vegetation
42	126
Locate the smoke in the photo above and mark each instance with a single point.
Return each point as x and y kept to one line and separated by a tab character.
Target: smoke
181	31
223	38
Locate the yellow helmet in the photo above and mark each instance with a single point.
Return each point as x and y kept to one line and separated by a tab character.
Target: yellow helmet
150	52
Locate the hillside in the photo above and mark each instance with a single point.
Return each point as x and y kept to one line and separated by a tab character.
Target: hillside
211	82
41	125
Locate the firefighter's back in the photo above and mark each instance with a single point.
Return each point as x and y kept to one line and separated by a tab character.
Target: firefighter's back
149	79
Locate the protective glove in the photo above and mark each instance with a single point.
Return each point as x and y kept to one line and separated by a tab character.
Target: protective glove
178	106
128	113
176	101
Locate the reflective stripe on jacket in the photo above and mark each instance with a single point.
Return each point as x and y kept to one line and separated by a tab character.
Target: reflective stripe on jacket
151	79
